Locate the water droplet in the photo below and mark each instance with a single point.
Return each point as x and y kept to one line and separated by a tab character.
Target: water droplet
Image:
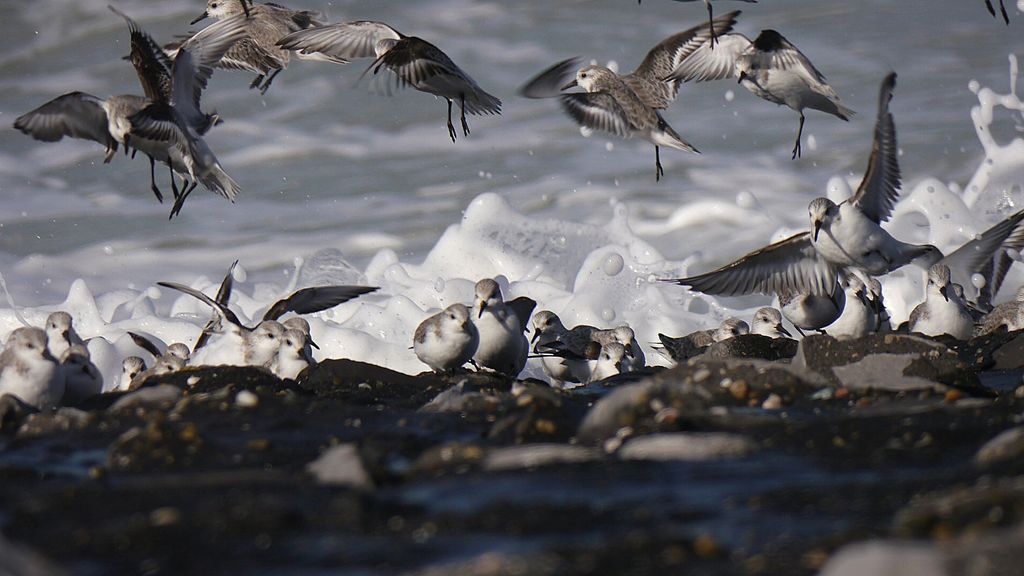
746	200
613	264
978	280
729	95
108	249
607	314
609	146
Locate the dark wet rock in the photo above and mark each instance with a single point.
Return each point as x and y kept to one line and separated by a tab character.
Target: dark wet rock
752	346
667	401
689	446
449	458
887	362
153	397
159	444
13	412
1007	446
341	465
999	350
885	558
536	455
17	560
366	384
986	504
61	420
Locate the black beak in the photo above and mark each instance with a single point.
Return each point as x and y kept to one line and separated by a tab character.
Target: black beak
536	334
742	77
311	343
204	15
782	330
944	290
64	334
570	85
817	228
483	306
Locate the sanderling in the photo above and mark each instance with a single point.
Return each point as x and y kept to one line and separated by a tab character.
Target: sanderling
711	17
694	343
60	333
768	322
238	345
502	347
610	362
291	358
1008	315
875	300
1002	9
627	105
414	62
81	115
564	352
859	316
258	52
29	371
809	311
446	340
942	312
131	367
635	359
302	325
82	379
842	236
170	128
770	68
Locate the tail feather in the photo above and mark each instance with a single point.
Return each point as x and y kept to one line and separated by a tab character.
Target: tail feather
664	135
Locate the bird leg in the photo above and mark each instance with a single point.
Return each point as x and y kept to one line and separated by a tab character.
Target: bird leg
711	24
658	170
256	83
1002	8
266	85
451	127
462	104
799	134
152	180
110	153
180	201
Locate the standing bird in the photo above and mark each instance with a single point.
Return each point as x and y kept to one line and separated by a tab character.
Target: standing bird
258	52
610	362
564	352
711	16
809	311
291	358
770	68
82	379
1008	315
942	312
414	62
60	333
29	371
503	347
628	105
768	322
694	343
446	340
859	316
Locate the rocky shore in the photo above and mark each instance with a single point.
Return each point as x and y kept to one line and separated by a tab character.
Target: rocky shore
889	454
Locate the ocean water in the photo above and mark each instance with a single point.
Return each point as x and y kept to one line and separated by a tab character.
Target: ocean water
342	185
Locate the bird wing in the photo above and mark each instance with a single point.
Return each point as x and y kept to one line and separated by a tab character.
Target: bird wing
523	309
315	299
550	82
771	51
707	63
880	187
977	255
790	265
345	41
598	111
208	47
217	308
158	122
151	63
75	114
145	343
664	58
226	285
415	62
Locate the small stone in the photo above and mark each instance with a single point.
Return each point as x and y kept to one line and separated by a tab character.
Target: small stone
738	389
340	465
247	399
166	516
192	380
772	402
705	546
1007	446
953	395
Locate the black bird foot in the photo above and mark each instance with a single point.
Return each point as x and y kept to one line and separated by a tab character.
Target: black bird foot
256	83
451	130
797	151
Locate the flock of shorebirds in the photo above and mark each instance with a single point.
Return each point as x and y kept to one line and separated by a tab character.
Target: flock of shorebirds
825	277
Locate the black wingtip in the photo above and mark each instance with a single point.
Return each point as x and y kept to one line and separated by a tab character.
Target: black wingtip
769	41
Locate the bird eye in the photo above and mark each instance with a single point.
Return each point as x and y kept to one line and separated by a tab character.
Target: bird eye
452	316
214	5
